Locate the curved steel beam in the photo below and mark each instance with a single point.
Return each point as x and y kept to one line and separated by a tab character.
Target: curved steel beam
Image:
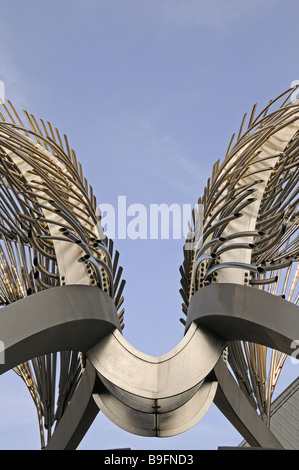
236	407
236	312
79	415
73	317
158	422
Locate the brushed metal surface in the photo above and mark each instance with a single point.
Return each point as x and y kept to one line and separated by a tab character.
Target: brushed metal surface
157	423
58	319
156	396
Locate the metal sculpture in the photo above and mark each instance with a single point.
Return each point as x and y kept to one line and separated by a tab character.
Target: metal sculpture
62	290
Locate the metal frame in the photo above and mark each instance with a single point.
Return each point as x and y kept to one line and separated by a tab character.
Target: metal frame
59	273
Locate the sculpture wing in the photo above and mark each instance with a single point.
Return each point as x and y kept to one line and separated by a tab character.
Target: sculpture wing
50	235
249	236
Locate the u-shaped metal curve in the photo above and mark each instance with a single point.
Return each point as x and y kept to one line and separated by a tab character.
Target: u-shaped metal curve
81	317
156	396
166	395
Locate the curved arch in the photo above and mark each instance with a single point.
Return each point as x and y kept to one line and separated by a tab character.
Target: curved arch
237	312
73	317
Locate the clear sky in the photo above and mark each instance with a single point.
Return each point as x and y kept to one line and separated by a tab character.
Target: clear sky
149	93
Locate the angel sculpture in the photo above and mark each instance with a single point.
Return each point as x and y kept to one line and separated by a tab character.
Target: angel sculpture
61	288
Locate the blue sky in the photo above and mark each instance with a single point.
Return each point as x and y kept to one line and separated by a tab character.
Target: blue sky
149	93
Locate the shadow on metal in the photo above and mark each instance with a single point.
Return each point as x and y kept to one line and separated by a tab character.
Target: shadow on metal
79	414
236	407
